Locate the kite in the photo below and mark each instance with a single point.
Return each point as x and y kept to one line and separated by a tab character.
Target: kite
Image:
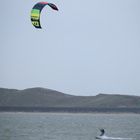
36	11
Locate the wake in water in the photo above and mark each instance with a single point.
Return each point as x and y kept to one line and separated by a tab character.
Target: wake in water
113	138
104	137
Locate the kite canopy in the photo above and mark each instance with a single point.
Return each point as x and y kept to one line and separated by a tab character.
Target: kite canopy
36	11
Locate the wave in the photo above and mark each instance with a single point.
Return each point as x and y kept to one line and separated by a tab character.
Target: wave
112	138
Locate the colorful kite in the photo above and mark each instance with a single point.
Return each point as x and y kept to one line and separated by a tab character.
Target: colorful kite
36	11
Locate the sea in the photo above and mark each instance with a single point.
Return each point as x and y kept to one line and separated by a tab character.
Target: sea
67	126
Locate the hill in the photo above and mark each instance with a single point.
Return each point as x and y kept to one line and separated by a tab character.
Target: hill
41	99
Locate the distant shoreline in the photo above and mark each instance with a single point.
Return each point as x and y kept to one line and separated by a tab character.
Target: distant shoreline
70	113
71	110
47	100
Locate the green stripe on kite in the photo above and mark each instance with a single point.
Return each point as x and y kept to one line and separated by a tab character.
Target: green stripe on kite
35	11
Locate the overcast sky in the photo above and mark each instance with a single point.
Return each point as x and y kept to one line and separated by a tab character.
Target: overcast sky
86	48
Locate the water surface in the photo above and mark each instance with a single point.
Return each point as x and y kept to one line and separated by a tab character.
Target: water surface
60	126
